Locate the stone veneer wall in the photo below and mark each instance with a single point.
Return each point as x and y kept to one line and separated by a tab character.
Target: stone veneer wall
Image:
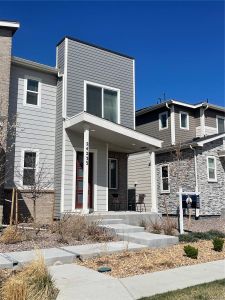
122	181
212	197
212	193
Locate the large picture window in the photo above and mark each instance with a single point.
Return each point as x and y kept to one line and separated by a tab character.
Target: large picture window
102	102
165	188
29	167
113	173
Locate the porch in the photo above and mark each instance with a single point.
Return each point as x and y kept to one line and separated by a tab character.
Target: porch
97	168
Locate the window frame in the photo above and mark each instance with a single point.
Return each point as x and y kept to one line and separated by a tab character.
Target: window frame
161	179
187	114
38	105
22	164
167	122
102	94
217	122
109	174
210	179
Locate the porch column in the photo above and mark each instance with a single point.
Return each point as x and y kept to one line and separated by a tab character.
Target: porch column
86	169
153	184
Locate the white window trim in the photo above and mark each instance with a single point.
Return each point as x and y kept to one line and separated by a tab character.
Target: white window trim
38	92
109	174
22	164
187	114
167	122
210	179
103	87
217	122
161	181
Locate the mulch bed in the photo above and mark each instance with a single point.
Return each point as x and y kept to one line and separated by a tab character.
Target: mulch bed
151	260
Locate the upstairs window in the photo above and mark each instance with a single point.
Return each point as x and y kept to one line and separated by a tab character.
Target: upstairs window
29	168
163	120
102	102
184	120
211	168
113	173
220	124
32	92
165	188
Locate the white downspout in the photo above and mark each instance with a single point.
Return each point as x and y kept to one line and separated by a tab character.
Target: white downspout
196	169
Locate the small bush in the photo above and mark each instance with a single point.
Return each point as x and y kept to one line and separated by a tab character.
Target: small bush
218	244
191	252
195	236
12	235
169	226
156	226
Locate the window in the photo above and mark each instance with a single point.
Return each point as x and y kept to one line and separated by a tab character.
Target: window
102	102
220	124
113	173
211	168
163	120
165	188
184	120
29	167
32	92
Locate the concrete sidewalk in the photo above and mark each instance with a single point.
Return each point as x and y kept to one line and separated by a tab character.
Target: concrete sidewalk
76	282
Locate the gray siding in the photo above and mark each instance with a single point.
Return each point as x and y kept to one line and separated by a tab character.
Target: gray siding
36	125
102	67
149	124
59	131
139	170
210	117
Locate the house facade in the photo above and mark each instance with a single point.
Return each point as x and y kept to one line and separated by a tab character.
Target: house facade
75	127
192	155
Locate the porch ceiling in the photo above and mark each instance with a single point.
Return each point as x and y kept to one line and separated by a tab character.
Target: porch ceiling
118	138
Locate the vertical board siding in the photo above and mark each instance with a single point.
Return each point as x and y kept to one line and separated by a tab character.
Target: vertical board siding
99	66
36	125
139	170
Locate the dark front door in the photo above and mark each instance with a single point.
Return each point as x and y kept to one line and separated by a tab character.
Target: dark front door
79	180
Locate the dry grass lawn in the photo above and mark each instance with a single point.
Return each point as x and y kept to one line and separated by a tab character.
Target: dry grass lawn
151	260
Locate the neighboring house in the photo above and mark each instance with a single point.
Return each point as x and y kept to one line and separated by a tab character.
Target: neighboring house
192	156
76	122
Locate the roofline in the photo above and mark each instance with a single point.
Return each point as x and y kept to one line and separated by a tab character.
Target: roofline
13	25
93	45
34	65
211	139
171	101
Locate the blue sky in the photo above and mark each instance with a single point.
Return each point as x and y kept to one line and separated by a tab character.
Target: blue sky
178	46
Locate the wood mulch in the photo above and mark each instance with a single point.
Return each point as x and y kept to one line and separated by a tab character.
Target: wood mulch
151	260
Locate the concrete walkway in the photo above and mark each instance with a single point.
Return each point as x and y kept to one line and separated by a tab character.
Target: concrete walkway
77	282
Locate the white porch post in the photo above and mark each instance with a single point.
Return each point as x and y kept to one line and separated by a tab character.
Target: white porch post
86	169
153	184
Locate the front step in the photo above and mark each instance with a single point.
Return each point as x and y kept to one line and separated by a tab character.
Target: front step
123	228
149	239
111	221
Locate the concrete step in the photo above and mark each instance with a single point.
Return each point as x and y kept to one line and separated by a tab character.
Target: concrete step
149	239
111	221
123	228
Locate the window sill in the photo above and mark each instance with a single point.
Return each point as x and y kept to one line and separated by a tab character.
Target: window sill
212	181
184	128
165	192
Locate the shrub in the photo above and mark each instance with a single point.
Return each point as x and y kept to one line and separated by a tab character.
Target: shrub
191	252
169	226
195	236
32	282
156	226
12	235
218	244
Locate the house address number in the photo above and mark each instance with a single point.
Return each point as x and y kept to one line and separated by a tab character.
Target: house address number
87	153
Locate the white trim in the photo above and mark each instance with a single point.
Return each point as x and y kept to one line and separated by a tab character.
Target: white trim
109	185
215	169
154	207
86	143
38	105
173	132
23	150
65	78
202	121
217	122
9	24
91	119
134	96
187	114
222	135
107	177
102	87
160	125
161	185
73	208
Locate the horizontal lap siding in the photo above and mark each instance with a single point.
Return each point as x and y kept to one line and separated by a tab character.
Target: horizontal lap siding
139	171
92	64
36	125
210	117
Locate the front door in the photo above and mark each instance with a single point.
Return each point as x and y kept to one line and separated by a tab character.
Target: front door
79	180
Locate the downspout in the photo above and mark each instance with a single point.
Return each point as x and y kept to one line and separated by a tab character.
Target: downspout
196	168
172	123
